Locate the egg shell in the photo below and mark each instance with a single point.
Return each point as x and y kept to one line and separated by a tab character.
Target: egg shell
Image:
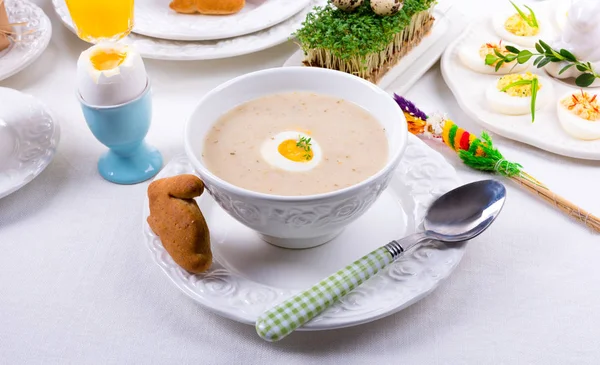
347	5
575	126
111	87
386	7
503	103
469	56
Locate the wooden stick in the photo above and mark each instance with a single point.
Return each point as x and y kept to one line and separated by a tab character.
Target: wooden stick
561	203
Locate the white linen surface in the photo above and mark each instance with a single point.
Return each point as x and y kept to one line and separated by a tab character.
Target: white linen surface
77	284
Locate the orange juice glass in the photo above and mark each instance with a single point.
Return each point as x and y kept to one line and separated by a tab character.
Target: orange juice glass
101	20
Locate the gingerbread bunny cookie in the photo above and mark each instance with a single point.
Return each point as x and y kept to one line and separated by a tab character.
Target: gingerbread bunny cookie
176	218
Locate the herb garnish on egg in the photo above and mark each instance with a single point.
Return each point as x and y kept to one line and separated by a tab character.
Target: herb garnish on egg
530	19
545	55
304	143
526	86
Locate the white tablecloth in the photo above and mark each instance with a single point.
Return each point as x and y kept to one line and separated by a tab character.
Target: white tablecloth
77	284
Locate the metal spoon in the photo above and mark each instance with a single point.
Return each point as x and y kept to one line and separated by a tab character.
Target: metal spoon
456	216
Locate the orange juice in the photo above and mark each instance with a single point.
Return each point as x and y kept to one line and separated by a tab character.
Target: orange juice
97	20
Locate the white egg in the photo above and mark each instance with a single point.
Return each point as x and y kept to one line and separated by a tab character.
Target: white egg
503	103
574	125
545	30
270	152
561	13
470	56
110	74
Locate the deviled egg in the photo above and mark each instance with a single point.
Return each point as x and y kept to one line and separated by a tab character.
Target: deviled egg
579	115
512	94
473	57
523	27
110	74
292	151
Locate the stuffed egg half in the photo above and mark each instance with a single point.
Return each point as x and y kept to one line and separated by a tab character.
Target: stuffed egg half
516	100
473	56
579	114
525	32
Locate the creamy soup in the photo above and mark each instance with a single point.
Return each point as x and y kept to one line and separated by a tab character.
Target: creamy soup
296	144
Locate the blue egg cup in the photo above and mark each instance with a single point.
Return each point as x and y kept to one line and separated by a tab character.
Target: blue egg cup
122	128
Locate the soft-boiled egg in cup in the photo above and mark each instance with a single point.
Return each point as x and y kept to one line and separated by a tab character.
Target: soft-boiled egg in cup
473	56
511	94
579	115
110	74
292	151
523	27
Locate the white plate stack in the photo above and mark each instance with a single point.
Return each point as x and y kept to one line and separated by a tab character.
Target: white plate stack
161	33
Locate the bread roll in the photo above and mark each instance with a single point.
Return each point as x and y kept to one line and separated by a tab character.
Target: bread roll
208	7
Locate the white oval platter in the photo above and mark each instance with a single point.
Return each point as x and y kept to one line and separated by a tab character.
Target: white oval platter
249	276
469	89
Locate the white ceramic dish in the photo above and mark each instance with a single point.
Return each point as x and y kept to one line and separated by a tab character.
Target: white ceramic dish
32	39
249	276
469	89
205	50
448	24
28	139
154	18
299	221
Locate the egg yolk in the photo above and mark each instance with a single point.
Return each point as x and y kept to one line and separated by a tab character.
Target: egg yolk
295	151
489	48
107	60
518	90
584	106
518	26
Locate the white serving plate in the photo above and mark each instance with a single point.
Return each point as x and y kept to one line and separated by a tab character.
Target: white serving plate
469	89
154	18
448	24
32	40
205	50
249	276
29	136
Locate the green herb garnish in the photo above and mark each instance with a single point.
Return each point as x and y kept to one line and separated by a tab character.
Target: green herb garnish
534	90
305	144
546	54
530	19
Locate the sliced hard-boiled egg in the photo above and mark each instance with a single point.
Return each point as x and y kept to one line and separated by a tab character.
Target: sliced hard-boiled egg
110	74
516	100
512	27
579	115
292	151
473	56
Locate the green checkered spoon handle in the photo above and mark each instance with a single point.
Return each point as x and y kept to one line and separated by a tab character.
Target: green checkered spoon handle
280	321
456	216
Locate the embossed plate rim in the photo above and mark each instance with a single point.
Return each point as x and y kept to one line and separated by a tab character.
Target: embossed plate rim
268	14
49	152
162	49
26	52
445	176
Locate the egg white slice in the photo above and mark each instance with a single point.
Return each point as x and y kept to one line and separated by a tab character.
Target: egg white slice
575	126
270	153
504	103
545	32
469	56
